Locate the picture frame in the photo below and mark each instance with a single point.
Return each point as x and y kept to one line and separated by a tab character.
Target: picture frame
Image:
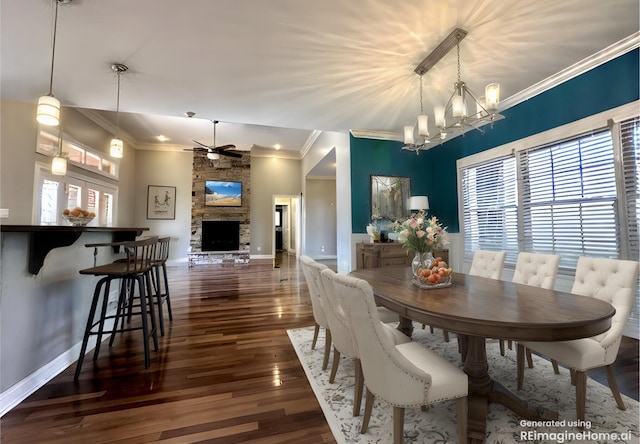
390	197
161	202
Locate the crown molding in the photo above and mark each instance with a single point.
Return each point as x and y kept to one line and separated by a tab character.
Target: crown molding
378	135
607	54
107	126
309	142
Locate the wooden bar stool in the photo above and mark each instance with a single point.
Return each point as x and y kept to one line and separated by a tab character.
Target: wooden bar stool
161	283
133	272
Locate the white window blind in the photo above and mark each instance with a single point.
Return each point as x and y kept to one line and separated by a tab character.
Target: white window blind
569	197
490	207
630	145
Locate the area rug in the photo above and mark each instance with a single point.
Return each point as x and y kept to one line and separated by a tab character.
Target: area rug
605	422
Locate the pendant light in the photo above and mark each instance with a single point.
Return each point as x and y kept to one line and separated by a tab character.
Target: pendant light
48	111
59	162
116	148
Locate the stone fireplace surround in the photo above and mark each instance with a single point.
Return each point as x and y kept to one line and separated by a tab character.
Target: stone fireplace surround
225	169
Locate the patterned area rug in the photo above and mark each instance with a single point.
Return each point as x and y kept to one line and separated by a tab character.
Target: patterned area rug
605	422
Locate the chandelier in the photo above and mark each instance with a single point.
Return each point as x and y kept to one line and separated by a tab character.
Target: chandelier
454	118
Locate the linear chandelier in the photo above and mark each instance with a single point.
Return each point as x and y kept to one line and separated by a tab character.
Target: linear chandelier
454	117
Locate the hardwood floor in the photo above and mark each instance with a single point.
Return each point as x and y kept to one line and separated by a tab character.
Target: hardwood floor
225	372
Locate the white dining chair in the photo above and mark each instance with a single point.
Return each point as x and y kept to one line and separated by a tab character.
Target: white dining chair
404	375
538	270
610	280
317	309
341	331
488	264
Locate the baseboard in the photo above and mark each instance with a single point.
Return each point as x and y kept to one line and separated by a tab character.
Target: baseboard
20	391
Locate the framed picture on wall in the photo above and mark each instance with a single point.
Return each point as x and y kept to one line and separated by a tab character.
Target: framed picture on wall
161	202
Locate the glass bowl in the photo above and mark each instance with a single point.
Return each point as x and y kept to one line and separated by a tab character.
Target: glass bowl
78	221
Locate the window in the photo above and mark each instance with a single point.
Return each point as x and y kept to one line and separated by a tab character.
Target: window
55	193
569	197
572	191
77	154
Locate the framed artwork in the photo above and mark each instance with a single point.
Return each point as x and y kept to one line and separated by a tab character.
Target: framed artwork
389	197
161	202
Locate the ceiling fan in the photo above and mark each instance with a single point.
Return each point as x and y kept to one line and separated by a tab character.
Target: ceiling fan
213	151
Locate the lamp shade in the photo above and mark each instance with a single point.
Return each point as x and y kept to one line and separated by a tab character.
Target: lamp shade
59	166
408	135
423	125
48	111
116	149
438	113
418	203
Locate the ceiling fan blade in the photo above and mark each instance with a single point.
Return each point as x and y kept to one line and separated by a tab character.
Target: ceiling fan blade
224	147
230	154
202	144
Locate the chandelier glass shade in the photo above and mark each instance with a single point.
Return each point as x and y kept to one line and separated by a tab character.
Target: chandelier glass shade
59	162
455	117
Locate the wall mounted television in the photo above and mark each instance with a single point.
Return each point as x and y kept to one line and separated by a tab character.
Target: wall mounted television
218	193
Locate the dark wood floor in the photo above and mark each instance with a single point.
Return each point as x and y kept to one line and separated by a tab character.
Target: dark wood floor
225	373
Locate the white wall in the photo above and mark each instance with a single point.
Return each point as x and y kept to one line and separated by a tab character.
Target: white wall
269	177
321	218
165	168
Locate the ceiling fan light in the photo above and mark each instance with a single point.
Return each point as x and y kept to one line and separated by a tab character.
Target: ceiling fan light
48	111
59	166
213	156
116	148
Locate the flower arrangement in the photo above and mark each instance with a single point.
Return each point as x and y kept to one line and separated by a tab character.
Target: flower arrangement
421	234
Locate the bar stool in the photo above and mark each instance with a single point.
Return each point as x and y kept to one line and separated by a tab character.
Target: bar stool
132	272
162	294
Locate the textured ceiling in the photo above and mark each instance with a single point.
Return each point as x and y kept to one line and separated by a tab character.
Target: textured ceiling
274	71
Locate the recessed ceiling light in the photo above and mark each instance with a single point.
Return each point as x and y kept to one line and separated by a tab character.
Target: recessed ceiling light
277	146
162	138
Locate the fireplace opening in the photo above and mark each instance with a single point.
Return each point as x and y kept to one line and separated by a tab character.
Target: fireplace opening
220	235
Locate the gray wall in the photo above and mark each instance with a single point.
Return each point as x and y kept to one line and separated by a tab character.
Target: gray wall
321	218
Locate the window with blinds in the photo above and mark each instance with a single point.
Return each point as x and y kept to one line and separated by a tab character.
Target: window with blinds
490	207
574	197
568	194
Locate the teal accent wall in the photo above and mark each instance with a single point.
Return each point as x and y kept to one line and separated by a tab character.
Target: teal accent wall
433	172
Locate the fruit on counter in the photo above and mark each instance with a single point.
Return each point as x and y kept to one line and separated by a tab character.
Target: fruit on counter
78	212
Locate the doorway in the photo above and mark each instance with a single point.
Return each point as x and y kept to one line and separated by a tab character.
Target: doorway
286	237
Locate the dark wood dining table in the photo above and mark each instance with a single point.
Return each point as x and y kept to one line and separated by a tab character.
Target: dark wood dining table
477	308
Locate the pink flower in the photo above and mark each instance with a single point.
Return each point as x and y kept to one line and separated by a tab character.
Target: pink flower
420	233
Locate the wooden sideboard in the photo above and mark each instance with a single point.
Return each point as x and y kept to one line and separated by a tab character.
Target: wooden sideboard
386	254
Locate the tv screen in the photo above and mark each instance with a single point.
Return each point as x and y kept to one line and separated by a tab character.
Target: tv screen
218	193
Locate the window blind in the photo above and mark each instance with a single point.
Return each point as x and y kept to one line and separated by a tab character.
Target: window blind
568	198
490	208
630	145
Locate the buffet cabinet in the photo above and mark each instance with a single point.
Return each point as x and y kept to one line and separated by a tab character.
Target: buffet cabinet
387	254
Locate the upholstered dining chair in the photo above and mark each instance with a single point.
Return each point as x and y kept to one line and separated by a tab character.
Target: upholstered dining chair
538	270
320	319
404	375
610	280
488	264
341	332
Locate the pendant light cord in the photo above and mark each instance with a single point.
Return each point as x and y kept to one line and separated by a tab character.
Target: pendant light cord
53	50
118	109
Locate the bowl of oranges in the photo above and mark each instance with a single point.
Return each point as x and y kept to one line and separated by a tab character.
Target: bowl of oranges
436	275
78	217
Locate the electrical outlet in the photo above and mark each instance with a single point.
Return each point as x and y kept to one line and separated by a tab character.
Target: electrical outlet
259	249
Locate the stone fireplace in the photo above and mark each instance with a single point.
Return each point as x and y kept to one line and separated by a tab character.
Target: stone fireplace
232	218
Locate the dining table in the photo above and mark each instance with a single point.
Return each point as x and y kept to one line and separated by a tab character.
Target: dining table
478	308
